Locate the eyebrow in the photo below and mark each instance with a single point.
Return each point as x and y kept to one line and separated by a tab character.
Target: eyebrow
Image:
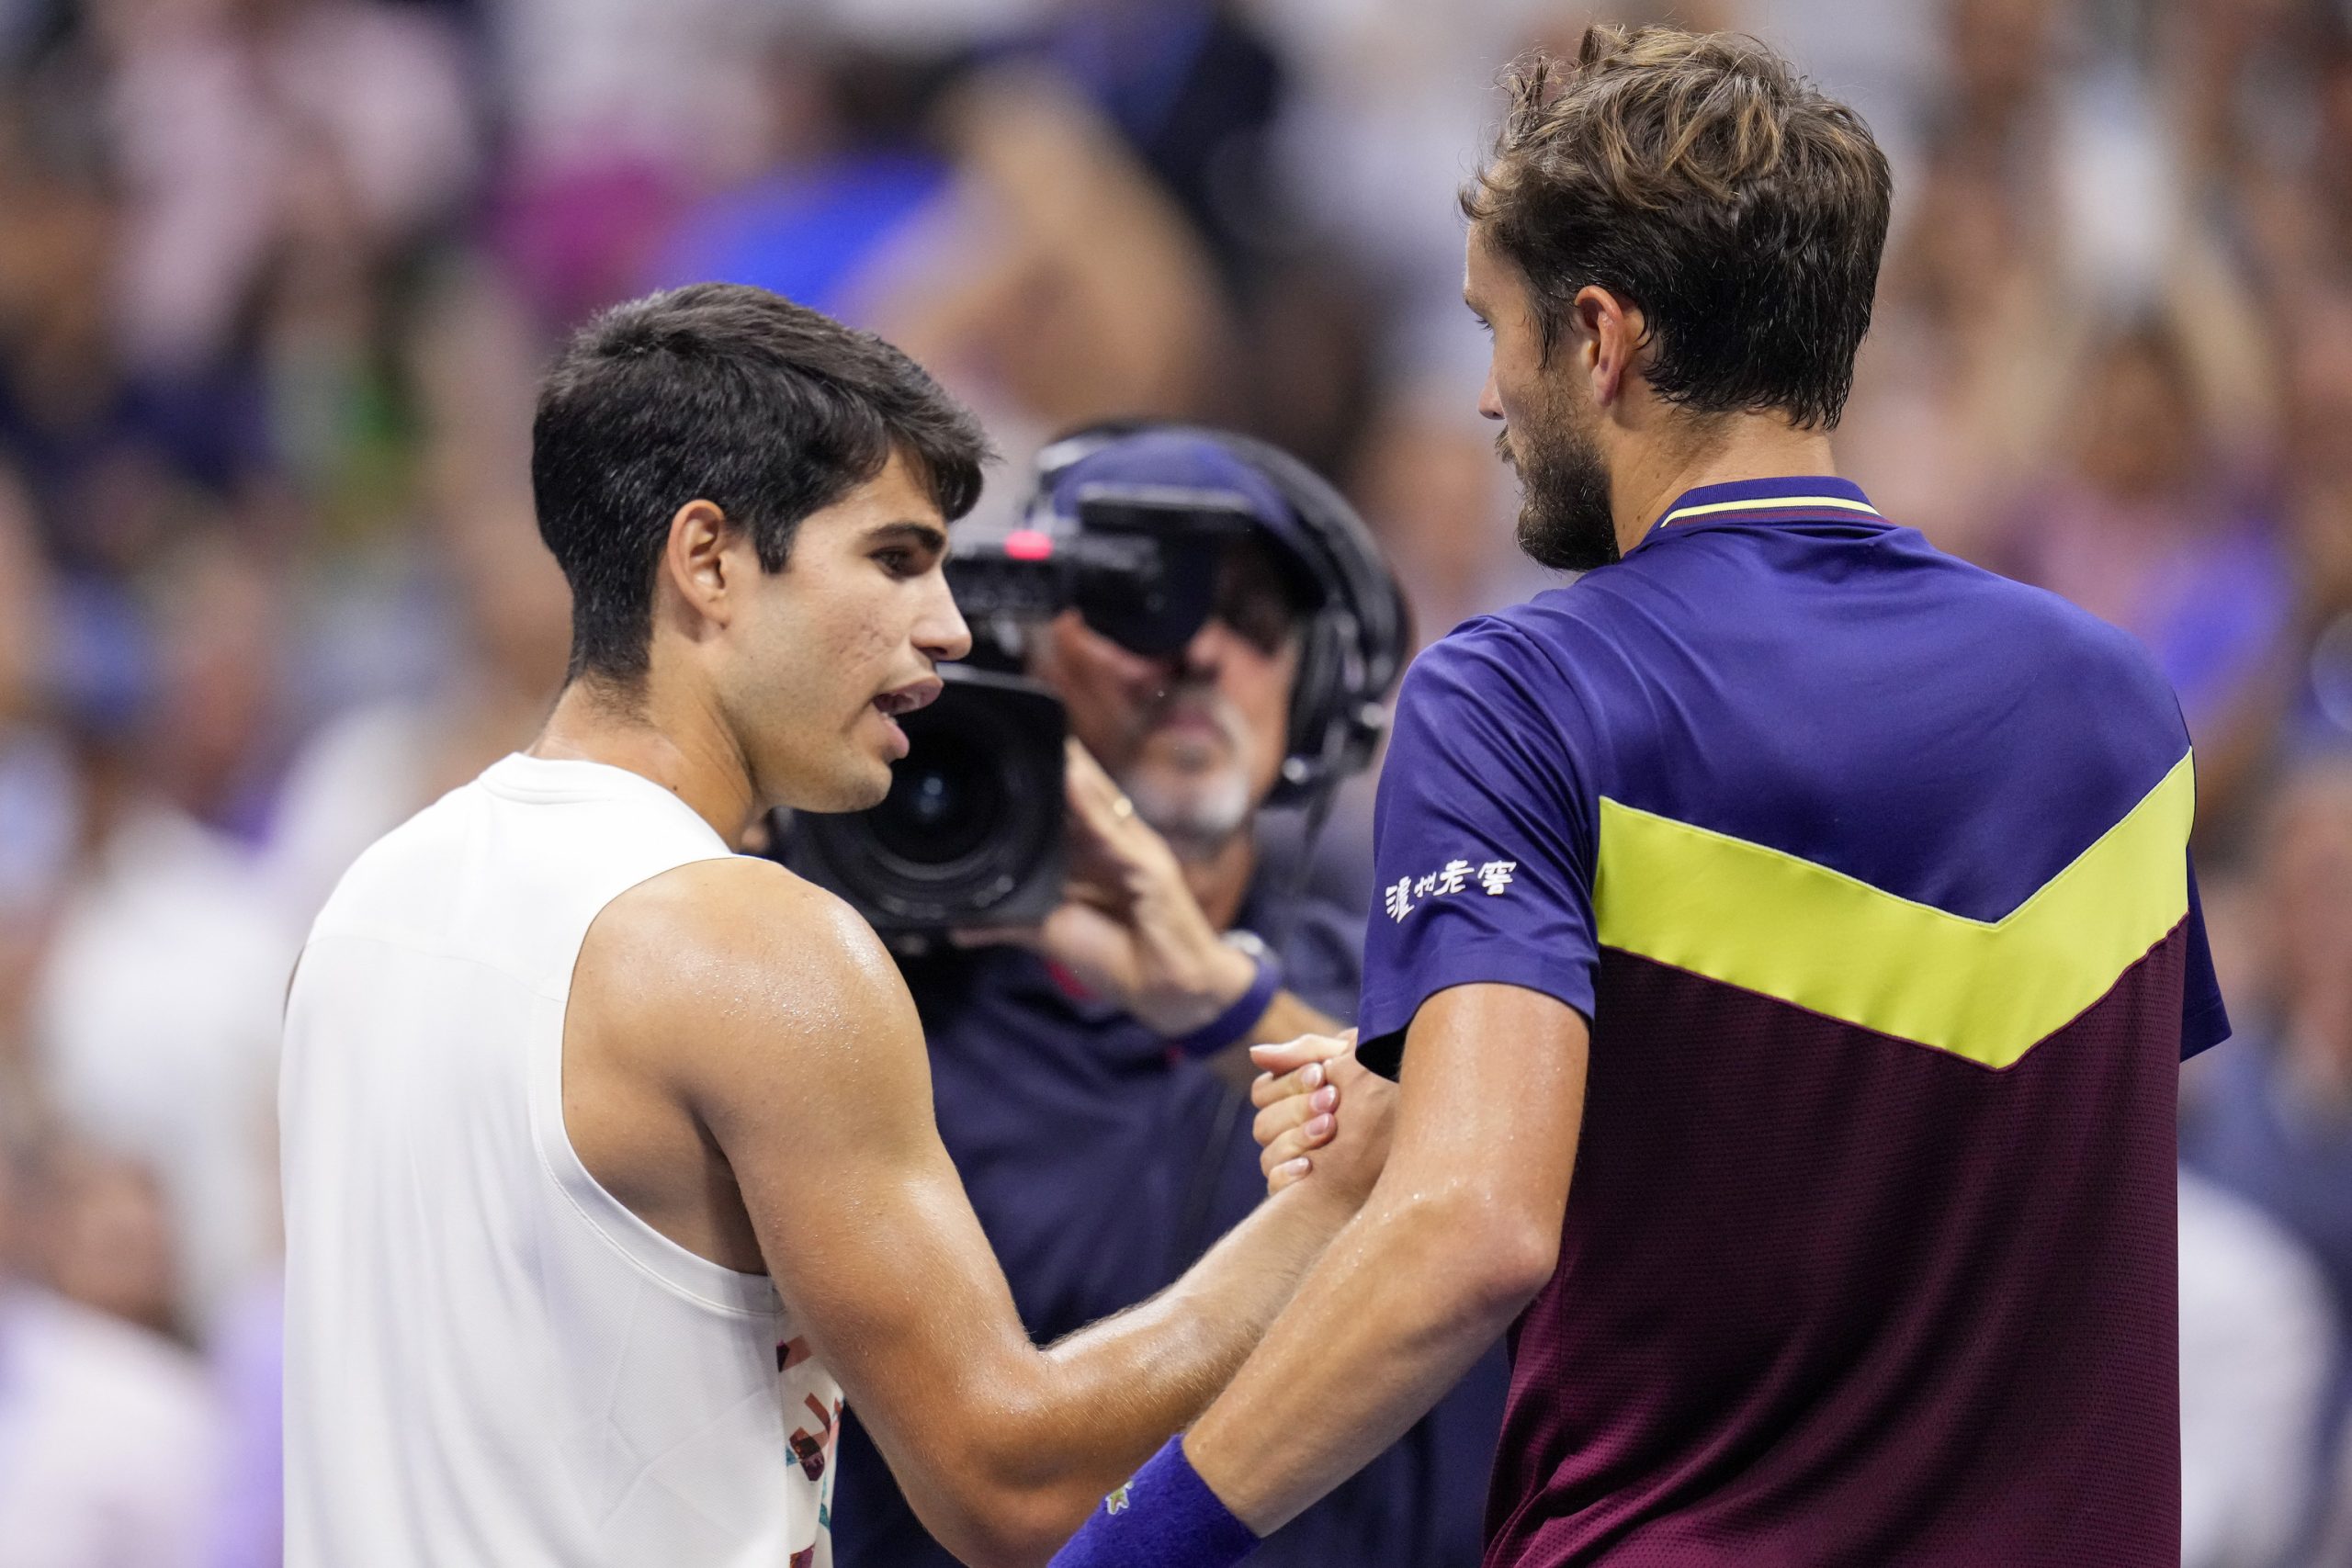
929	536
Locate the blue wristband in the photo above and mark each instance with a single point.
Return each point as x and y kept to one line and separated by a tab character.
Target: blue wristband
1235	1022
1165	1517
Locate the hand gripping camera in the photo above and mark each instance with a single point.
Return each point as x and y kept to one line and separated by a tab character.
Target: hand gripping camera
1128	526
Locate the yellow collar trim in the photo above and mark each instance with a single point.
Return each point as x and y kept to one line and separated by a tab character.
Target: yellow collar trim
1768	504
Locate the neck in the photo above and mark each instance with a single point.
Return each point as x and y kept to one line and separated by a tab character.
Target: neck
1219	879
681	744
1736	447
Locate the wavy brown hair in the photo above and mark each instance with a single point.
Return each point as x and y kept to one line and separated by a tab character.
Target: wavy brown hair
1700	178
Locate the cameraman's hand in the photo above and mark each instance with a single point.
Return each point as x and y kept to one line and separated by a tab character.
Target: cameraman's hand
1129	929
1321	1113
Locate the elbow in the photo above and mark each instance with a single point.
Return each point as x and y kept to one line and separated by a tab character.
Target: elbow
1015	1528
992	1503
1524	1260
1497	1255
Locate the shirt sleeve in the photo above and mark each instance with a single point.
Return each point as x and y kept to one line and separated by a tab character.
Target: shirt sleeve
2204	1021
1482	838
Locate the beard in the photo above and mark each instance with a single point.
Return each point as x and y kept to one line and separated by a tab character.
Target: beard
1563	517
1193	791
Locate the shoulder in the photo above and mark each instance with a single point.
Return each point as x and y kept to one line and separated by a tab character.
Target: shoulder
1573	653
1491	659
2101	666
755	1001
1534	691
410	861
744	939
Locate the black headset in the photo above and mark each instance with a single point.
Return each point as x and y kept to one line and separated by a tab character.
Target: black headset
1357	640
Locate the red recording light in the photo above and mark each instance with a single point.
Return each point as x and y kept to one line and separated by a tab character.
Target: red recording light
1028	544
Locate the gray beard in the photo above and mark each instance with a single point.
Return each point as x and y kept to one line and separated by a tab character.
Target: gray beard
1198	818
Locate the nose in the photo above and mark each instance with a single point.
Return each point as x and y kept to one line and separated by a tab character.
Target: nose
1197	660
1490	399
940	631
1204	654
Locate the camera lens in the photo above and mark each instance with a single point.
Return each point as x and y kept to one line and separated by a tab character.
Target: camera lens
944	800
971	831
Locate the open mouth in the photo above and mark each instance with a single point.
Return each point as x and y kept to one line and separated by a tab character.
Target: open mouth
906	699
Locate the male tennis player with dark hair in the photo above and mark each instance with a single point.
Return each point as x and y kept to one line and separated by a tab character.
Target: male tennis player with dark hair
1820	903
607	1151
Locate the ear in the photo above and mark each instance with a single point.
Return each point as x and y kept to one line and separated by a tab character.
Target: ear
697	562
1605	331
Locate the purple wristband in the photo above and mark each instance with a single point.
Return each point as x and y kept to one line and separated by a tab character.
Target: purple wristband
1235	1022
1165	1517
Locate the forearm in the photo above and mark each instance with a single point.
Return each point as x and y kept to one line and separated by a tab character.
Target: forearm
1113	1393
1461	1232
1359	1358
1285	1018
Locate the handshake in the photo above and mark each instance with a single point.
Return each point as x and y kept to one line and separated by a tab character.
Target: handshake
1321	1112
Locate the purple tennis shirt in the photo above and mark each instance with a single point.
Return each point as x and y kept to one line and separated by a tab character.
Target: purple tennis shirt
1869	870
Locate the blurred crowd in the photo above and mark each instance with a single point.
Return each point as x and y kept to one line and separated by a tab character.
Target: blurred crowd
276	277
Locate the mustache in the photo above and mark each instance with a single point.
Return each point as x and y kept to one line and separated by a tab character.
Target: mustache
1503	449
1196	699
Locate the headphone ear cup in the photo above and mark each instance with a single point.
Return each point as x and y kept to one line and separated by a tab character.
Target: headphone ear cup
1316	697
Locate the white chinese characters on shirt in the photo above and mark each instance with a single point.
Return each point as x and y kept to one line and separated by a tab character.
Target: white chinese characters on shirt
1407	894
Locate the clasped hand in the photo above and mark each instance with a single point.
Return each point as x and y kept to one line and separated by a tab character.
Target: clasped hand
1320	1111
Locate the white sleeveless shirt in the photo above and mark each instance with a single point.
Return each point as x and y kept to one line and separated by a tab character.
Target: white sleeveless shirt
488	1359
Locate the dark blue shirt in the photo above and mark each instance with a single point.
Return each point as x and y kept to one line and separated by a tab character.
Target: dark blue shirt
1100	1167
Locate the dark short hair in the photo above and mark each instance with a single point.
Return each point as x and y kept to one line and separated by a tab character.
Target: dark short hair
719	392
1699	177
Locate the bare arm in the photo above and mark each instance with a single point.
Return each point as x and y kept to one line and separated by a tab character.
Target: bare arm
802	1056
1462	1231
1286	1018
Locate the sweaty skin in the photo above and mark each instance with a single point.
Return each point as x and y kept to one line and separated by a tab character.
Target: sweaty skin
744	1069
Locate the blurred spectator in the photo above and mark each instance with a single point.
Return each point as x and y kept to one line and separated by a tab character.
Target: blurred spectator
1971	357
1059	285
100	1234
850	169
500	648
2336	1537
2146	526
248	1358
108	1430
39	811
2271	1119
2318	696
2258	1341
155	1009
234	122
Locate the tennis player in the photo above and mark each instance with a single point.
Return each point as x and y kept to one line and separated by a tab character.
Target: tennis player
1787	929
610	1156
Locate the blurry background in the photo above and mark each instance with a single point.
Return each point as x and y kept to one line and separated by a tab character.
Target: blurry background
276	276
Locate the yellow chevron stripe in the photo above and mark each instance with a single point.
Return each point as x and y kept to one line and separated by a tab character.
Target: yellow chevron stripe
1766	922
1769	503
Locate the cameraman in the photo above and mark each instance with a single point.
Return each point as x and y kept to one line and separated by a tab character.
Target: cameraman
1090	1073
